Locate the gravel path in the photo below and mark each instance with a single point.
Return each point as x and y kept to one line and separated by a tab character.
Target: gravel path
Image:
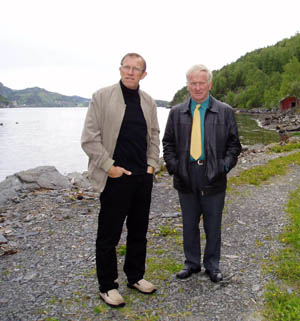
47	269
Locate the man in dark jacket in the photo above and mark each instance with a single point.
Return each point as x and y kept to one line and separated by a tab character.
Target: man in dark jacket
200	146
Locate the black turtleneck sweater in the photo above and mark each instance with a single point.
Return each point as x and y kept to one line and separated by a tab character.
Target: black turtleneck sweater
131	147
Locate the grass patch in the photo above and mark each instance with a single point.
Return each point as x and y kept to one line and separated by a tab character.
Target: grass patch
281	305
260	174
161	268
90	273
101	308
121	249
283	301
166	230
285	148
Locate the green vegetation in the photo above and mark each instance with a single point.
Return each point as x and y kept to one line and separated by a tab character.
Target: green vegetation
283	295
162	267
285	148
166	230
3	101
38	97
179	96
121	249
250	133
259	174
260	78
283	299
162	103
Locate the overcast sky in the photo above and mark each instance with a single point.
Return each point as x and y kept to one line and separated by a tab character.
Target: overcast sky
74	47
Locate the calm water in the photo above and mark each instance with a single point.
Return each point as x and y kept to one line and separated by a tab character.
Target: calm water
31	137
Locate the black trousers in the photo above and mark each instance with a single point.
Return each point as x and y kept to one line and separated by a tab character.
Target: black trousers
193	205
126	197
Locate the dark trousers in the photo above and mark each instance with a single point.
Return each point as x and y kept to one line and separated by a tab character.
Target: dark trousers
125	197
193	205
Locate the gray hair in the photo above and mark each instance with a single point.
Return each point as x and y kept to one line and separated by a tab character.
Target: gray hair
136	55
197	68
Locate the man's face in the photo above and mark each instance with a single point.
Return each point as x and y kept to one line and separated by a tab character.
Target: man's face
132	72
198	86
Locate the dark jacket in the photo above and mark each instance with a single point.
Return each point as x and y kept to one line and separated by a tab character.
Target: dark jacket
221	141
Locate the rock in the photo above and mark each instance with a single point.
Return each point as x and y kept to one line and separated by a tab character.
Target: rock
3	240
9	188
6	249
287	121
46	177
79	180
43	177
172	215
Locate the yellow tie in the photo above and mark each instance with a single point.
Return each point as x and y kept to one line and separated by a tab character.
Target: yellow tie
196	148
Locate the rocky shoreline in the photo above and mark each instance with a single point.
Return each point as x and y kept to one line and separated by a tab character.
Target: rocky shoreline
288	121
47	261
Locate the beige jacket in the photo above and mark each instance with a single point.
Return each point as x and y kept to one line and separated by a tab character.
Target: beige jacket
101	130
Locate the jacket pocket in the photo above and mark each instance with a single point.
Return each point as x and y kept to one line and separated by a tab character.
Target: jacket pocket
216	170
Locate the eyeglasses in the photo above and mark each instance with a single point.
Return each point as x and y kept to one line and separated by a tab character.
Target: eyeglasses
134	69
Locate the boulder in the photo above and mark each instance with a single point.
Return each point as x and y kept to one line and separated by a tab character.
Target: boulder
80	180
46	177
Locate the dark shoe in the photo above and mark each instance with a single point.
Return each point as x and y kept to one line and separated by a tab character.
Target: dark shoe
214	275
187	272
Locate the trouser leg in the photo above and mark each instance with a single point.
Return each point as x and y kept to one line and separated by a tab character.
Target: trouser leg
137	226
212	207
114	207
191	213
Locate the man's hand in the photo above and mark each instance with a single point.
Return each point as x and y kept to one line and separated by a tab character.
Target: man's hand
150	170
116	171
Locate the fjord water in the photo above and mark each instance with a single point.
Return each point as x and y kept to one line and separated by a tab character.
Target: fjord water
31	137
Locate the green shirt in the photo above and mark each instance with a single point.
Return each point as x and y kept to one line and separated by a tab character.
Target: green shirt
202	110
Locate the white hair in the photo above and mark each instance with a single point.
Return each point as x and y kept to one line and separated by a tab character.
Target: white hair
197	68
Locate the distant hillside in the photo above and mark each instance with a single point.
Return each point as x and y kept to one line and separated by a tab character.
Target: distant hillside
38	97
260	78
162	103
4	102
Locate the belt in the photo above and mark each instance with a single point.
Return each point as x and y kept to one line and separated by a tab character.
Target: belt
199	162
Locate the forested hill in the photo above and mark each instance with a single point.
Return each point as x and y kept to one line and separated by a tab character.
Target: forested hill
33	97
260	78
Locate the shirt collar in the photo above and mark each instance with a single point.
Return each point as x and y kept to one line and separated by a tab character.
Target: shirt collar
204	104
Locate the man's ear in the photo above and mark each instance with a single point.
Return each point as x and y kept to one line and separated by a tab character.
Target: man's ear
144	75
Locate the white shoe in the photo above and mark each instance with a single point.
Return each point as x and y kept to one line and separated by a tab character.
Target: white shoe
143	286
113	298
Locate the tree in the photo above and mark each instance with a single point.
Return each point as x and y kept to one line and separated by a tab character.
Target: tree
291	78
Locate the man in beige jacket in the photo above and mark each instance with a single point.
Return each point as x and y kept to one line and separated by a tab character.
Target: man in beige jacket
121	139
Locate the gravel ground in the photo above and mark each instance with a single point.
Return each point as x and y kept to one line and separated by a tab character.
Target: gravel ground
47	268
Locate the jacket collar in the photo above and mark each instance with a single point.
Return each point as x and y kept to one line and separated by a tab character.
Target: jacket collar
212	105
